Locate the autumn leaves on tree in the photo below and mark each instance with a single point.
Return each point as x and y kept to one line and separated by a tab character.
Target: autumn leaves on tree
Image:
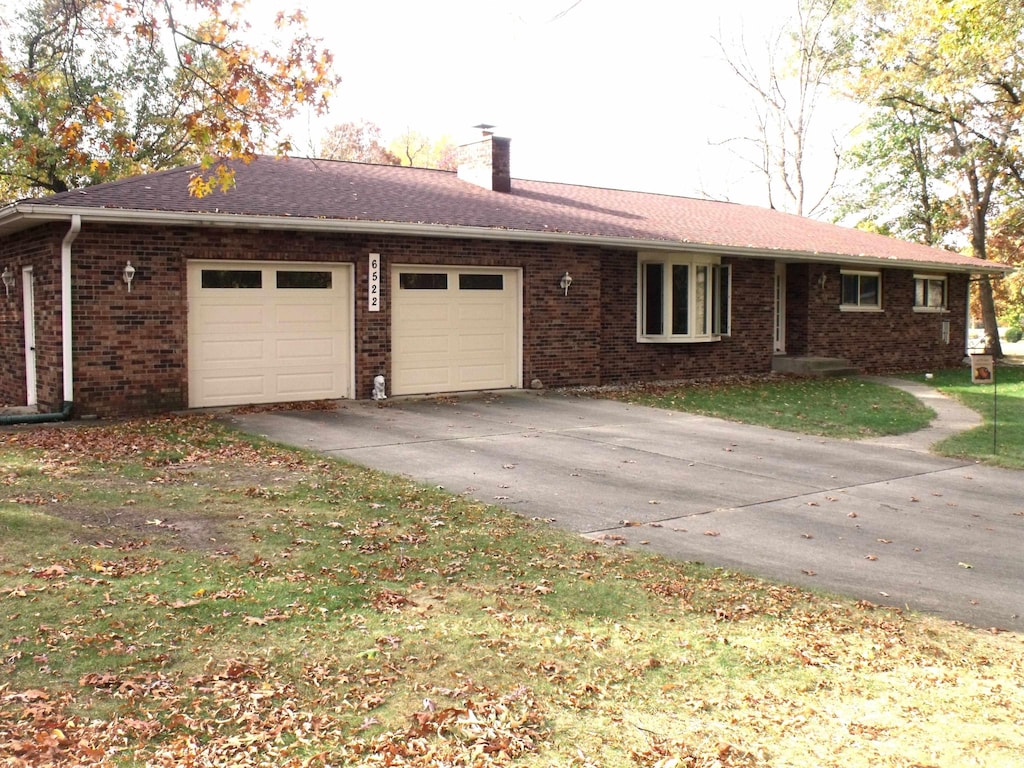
94	90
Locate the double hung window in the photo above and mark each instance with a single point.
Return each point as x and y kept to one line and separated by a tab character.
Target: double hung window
861	290
929	293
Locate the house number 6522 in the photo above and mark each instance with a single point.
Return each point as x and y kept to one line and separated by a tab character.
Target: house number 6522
374	283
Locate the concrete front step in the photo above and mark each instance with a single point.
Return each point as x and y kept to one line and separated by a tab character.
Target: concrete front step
813	366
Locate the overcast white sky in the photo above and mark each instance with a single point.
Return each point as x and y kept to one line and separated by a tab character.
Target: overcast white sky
608	93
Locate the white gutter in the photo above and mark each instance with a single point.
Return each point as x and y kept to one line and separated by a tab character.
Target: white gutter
355	226
65	306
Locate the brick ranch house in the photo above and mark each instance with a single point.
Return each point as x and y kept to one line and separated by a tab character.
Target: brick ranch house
311	278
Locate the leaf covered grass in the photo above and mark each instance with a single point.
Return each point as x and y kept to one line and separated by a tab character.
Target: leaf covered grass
830	407
172	594
1000	404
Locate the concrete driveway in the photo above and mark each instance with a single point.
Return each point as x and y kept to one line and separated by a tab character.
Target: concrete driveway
885	522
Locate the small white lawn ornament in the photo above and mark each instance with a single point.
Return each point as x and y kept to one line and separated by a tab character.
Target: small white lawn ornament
378	388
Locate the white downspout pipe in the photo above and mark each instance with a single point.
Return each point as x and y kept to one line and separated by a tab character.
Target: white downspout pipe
65	306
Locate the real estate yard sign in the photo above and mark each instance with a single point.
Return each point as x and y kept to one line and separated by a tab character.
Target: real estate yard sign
983	371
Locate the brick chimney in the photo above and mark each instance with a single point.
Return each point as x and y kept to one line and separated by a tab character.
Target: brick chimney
486	163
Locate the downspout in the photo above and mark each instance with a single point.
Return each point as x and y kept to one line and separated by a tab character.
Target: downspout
65	306
68	358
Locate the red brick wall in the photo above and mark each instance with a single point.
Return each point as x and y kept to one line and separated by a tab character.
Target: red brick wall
131	356
895	339
560	333
748	349
129	349
40	249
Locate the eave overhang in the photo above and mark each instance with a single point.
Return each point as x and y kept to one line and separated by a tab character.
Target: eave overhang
20	216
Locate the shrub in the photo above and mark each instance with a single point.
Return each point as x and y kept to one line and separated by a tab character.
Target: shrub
1015	334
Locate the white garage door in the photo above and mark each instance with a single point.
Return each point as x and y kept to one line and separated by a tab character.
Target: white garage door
454	329
268	333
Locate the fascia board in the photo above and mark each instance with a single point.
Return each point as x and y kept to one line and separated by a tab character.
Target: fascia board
27	212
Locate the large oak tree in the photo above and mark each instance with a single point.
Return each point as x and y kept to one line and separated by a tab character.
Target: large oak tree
92	90
948	76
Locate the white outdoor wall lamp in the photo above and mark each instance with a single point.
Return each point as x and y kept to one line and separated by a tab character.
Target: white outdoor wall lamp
8	278
564	283
128	275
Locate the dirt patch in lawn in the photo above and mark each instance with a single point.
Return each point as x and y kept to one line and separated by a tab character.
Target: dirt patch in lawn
129	528
151	481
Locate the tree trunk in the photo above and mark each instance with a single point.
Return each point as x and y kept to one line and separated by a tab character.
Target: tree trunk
985	296
988	317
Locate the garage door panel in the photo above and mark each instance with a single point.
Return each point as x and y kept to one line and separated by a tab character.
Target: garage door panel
251	344
425	313
221	390
232	352
483	343
306	315
426	379
304	385
424	346
482	313
297	350
479	375
229	316
456	339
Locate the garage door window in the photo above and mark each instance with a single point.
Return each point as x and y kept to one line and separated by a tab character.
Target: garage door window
300	279
475	281
232	278
423	281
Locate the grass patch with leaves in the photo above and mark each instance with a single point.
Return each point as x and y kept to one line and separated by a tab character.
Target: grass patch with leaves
172	594
830	407
1001	403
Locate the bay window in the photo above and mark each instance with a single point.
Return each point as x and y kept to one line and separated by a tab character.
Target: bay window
683	298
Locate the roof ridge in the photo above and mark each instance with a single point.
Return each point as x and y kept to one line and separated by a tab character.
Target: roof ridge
636	192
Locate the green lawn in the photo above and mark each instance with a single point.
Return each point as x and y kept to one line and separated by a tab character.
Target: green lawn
172	594
846	408
853	408
1001	439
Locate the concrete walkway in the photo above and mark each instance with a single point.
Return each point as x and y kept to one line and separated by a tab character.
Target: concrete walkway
950	417
881	521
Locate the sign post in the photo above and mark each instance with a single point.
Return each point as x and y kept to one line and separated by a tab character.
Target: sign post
983	371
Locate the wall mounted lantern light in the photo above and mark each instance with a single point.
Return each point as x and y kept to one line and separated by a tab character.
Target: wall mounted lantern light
128	275
8	278
564	283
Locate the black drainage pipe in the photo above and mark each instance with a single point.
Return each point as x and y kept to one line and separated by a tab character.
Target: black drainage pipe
38	418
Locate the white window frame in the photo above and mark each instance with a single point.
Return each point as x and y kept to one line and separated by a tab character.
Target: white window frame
706	295
927	279
858	307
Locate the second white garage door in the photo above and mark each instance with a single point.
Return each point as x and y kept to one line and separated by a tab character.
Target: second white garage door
268	333
454	329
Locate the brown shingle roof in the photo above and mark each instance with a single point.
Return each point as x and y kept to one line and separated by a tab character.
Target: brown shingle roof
271	190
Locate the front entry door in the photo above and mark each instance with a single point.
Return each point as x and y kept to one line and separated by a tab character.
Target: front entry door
780	309
27	284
